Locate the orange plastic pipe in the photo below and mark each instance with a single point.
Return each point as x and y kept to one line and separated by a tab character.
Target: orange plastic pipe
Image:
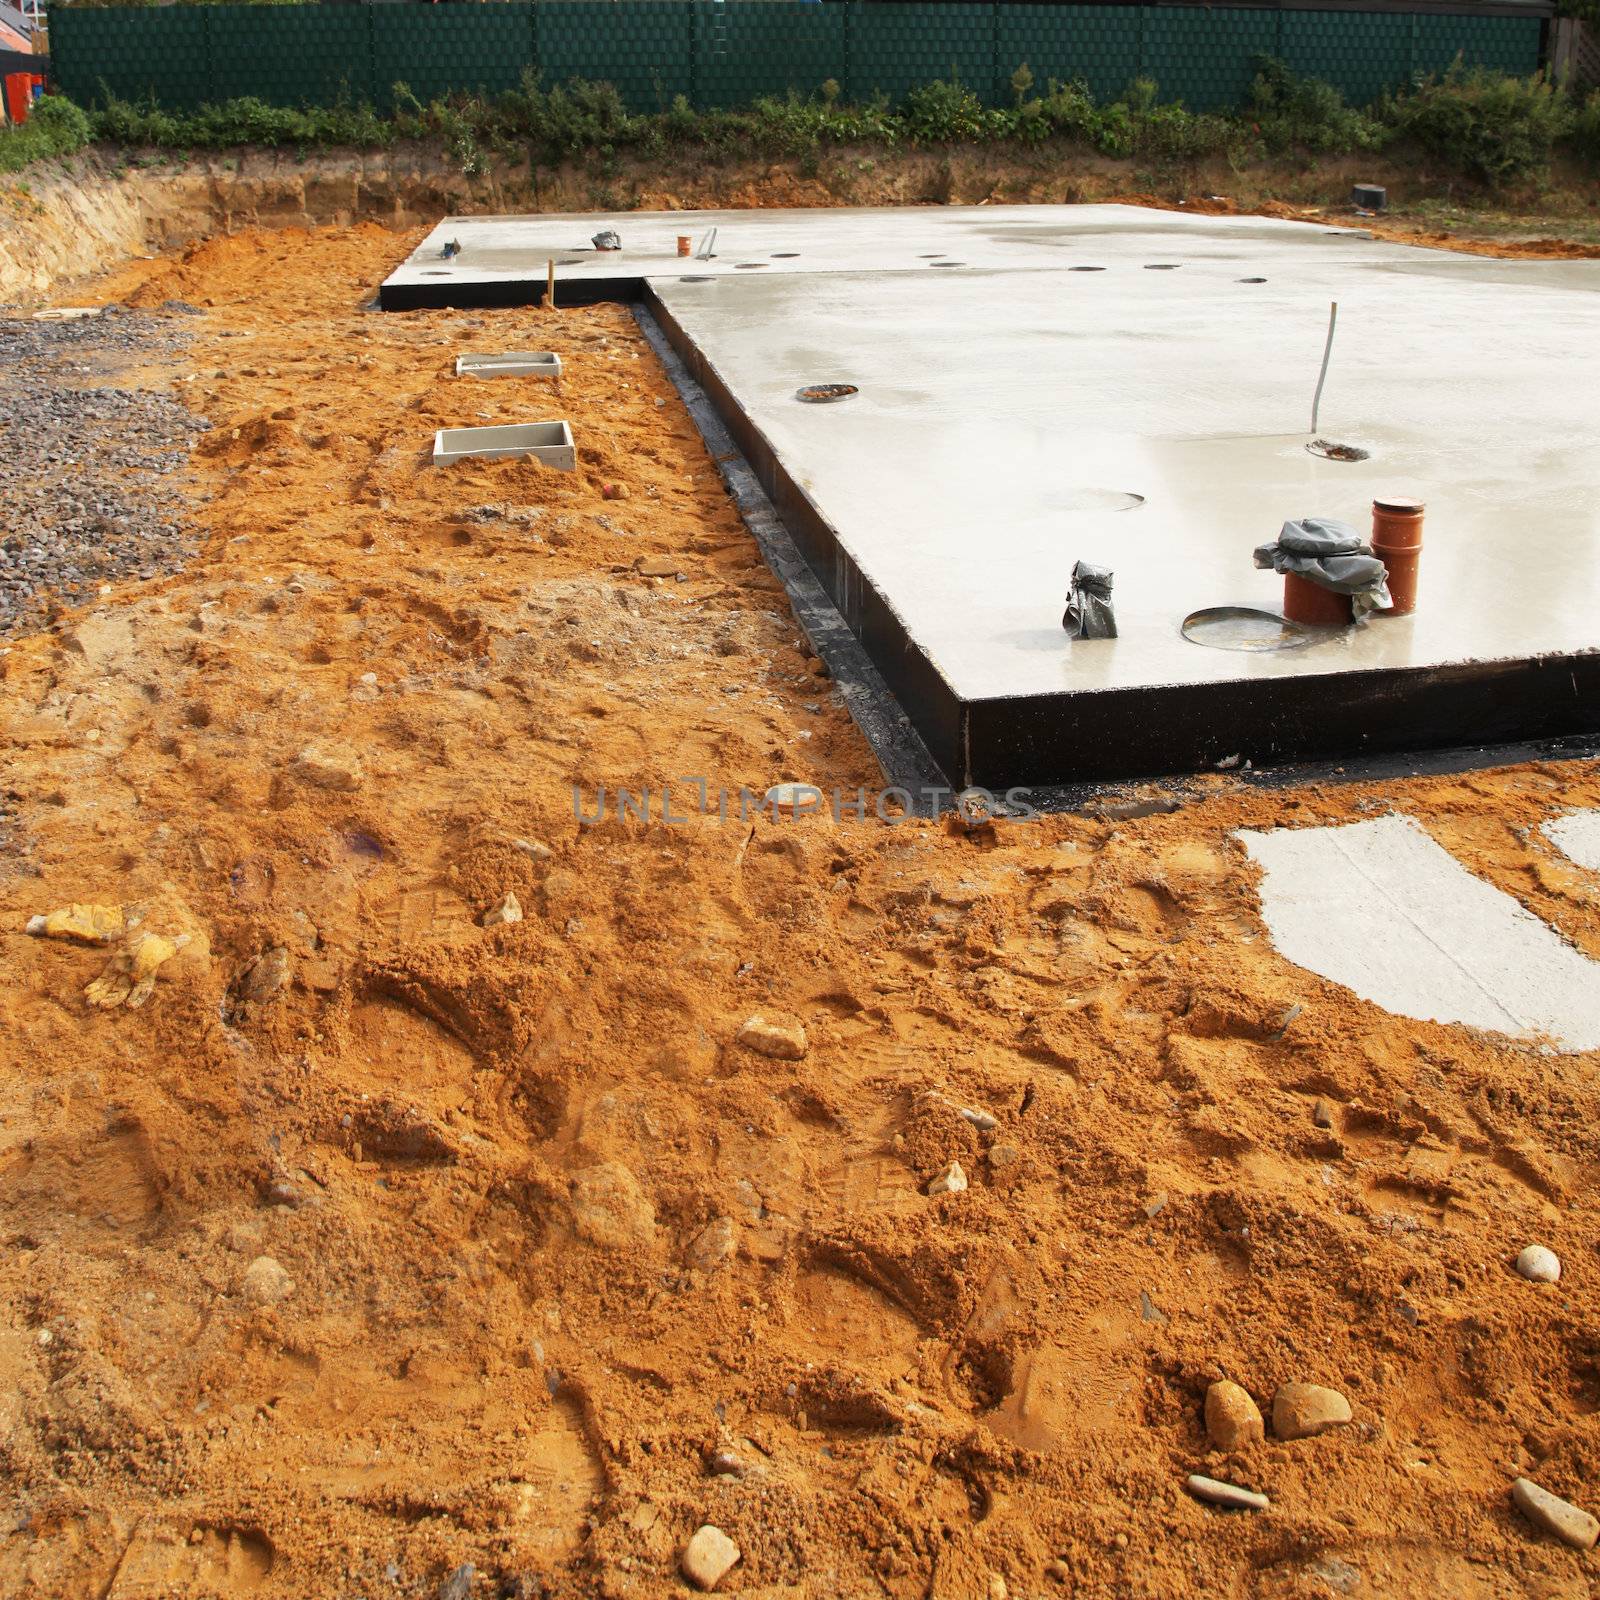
1397	543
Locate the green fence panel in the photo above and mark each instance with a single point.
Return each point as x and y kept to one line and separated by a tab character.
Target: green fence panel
729	53
646	49
1361	52
895	48
442	50
1204	56
132	54
745	51
1509	44
291	55
1094	45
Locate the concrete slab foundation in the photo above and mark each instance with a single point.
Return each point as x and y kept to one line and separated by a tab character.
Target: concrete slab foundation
1046	397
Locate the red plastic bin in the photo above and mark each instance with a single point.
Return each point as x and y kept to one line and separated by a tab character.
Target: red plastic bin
19	95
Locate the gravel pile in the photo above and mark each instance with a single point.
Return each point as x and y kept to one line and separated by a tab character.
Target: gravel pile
89	492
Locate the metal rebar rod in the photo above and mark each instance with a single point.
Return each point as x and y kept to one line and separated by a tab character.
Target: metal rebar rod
1327	351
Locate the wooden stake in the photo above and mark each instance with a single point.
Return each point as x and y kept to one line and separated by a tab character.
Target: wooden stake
550	286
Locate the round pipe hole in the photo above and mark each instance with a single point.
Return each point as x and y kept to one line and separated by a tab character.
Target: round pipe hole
1084	497
784	255
744	266
817	394
1331	450
1249	280
1086	269
947	263
1162	266
696	278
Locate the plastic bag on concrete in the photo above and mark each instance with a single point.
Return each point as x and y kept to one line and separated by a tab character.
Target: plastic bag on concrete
1089	614
1333	555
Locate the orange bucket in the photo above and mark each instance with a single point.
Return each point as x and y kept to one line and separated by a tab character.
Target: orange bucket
683	244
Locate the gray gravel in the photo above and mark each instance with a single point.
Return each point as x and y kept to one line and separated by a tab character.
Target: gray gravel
89	487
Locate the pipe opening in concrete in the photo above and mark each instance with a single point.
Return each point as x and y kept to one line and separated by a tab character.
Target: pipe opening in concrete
930	255
698	277
1086	269
1083	497
571	261
436	272
1250	280
1162	266
947	263
821	393
1329	450
784	255
1245	628
744	265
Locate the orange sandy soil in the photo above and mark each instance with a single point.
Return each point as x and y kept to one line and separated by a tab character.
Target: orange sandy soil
488	1157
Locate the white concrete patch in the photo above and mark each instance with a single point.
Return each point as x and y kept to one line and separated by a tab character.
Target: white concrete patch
1383	909
1577	835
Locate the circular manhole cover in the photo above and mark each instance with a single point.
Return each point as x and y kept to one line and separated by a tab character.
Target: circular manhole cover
1082	497
820	393
1332	451
1244	628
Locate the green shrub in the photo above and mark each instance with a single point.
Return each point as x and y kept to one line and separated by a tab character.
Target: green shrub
1294	113
55	127
1493	129
943	113
1585	131
1496	129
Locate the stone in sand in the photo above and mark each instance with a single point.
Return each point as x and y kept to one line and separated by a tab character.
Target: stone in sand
1303	1410
1539	1265
780	1037
1554	1515
951	1181
265	1282
1233	1420
1231	1495
708	1557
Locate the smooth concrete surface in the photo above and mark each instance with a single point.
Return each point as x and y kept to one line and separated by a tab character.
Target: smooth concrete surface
503	251
1386	911
1002	415
1577	836
1018	413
